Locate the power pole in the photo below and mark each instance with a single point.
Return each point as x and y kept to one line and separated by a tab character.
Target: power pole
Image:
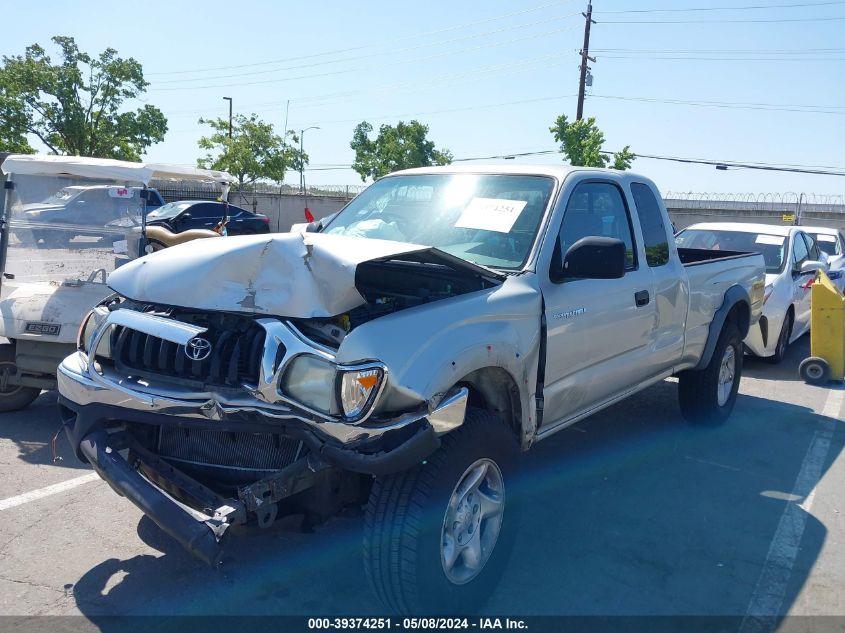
585	56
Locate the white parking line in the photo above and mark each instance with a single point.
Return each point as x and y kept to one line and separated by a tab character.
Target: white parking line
26	497
767	599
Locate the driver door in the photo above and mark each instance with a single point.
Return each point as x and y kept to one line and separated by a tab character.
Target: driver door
600	332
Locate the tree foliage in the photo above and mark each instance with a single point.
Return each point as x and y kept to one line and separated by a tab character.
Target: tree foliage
581	142
255	151
75	106
396	147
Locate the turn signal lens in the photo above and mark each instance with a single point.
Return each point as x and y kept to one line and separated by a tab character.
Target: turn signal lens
358	392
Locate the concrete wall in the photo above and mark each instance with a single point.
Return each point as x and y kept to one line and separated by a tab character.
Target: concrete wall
684	217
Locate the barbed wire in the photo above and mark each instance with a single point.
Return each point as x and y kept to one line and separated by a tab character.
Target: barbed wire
772	201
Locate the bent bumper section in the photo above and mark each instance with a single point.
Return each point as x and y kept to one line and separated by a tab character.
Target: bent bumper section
98	421
198	534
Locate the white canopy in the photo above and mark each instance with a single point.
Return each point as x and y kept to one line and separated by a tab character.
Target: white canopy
107	168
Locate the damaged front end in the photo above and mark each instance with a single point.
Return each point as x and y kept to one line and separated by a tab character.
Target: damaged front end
207	418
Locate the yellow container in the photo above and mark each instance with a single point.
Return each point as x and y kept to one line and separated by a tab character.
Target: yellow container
827	334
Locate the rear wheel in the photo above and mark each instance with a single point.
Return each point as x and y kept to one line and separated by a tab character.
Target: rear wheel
707	396
438	536
52	239
12	397
783	341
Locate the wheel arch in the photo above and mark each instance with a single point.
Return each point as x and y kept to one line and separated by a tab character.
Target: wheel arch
735	308
495	390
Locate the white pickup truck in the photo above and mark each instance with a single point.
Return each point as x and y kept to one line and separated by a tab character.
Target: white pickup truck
400	358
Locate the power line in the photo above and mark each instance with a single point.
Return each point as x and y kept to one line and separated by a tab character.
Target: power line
802	169
741	165
810	109
732	8
756	51
771	20
725	59
181	82
364	46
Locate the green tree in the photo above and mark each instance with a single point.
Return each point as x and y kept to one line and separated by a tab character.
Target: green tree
396	147
255	151
581	141
75	106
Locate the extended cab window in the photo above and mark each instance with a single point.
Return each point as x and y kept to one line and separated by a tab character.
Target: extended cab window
597	209
651	221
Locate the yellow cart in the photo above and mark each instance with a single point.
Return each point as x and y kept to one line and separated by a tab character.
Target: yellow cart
827	334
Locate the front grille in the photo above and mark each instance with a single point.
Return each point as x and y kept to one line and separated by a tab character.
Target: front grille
234	358
230	450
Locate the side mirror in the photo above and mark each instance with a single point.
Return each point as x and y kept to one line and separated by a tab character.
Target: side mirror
810	267
314	227
185	216
591	257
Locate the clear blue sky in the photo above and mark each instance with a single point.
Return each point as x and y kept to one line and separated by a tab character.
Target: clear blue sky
452	65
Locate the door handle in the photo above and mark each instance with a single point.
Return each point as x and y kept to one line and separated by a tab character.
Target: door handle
641	298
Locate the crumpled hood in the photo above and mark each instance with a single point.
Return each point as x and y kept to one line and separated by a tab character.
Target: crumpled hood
302	275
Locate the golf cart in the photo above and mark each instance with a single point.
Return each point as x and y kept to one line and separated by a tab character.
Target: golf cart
47	288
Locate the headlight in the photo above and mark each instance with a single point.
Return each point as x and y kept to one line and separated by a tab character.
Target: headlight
90	324
358	390
310	381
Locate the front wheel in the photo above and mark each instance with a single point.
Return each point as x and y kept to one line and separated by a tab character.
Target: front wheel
437	537
707	396
12	397
783	341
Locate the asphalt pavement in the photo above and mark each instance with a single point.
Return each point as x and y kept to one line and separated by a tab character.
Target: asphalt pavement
630	512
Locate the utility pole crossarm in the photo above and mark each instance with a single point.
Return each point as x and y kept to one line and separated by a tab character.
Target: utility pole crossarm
585	56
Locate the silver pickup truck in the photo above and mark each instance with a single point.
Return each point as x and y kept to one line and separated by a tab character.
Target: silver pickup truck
400	358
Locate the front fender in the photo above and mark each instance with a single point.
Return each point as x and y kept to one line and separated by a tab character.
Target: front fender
429	348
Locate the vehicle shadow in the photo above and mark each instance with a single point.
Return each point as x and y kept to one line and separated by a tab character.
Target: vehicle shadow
32	430
786	370
632	512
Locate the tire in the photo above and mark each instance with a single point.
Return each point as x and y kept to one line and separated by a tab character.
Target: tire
783	340
52	239
814	370
13	398
405	522
699	391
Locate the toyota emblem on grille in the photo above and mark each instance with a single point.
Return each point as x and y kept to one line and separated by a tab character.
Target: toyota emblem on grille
198	348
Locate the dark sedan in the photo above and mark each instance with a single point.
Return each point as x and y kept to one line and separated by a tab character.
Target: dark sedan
203	214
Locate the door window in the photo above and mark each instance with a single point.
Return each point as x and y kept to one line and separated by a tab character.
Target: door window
800	252
206	211
812	248
597	209
651	222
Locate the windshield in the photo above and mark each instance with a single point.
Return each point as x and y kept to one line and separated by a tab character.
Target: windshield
62	196
772	247
485	219
169	210
826	242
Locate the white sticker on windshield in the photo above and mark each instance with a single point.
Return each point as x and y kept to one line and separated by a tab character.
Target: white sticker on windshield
773	240
491	214
121	192
825	238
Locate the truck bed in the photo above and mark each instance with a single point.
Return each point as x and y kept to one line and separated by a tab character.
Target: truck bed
694	256
711	273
